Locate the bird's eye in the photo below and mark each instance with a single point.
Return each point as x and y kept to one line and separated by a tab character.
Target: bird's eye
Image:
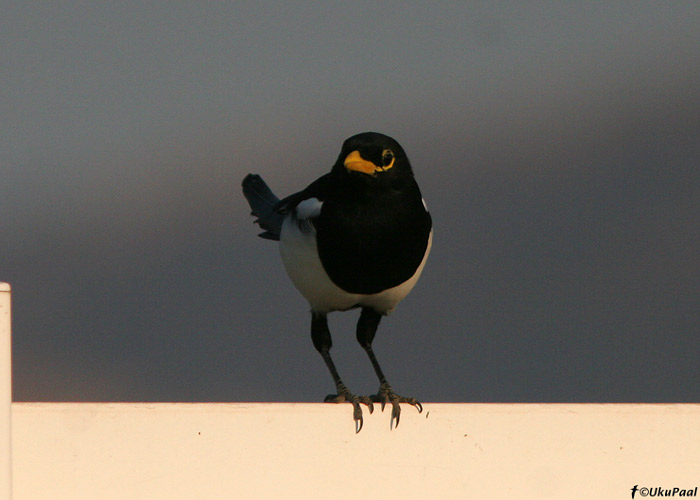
387	157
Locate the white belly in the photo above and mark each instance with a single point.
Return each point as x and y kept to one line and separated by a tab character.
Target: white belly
303	265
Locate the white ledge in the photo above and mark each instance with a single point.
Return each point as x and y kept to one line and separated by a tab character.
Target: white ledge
308	450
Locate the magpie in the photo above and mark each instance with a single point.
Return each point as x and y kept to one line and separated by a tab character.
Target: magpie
357	237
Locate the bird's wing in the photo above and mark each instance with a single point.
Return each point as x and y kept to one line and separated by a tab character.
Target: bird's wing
316	190
271	211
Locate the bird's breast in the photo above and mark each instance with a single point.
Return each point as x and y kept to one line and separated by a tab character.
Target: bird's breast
369	248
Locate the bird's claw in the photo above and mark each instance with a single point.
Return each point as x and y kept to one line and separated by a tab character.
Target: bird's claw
387	395
346	396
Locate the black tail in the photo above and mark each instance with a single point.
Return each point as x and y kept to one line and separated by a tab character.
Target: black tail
262	201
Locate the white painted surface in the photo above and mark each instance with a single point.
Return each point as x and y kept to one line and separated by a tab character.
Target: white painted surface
302	450
5	392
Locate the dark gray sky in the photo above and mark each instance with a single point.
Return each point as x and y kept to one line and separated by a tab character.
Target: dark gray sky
557	146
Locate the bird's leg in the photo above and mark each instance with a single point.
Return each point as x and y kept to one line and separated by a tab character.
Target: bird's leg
321	337
366	328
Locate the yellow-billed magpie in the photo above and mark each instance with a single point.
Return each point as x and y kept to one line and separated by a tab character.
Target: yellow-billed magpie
358	236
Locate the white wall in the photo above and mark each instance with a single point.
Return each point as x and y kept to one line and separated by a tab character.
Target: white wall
301	450
5	392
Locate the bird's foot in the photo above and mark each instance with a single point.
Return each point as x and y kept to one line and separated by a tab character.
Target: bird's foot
343	396
387	395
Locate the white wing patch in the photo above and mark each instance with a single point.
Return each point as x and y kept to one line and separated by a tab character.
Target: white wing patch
308	209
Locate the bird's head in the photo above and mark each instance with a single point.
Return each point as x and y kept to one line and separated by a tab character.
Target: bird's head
371	155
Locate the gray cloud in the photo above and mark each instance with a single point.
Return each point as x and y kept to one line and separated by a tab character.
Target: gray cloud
557	150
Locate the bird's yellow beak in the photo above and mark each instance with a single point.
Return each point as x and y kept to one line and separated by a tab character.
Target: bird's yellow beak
354	161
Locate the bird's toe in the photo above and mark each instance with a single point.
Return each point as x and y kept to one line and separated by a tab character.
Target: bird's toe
387	395
345	396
